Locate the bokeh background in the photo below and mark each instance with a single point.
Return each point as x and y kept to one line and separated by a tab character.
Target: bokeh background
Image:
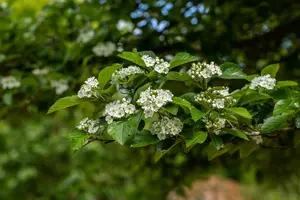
51	47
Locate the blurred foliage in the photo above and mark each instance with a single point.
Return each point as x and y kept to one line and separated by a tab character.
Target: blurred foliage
35	157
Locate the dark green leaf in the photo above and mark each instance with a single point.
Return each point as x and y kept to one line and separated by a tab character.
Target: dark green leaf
217	141
237	133
196	114
270	69
171	108
282	106
246	148
275	123
65	103
253	96
297	121
144	139
296	139
106	73
139	90
178	76
159	154
232	71
182	58
195	137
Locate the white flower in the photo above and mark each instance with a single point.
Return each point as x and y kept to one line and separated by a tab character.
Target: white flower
3	5
166	127
215	126
149	61
10	82
86	36
218	103
123	75
152	100
104	49
257	139
123	25
88	89
204	70
118	109
265	81
162	68
89	125
2	58
41	72
60	86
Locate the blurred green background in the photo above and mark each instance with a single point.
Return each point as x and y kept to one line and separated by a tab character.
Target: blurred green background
36	160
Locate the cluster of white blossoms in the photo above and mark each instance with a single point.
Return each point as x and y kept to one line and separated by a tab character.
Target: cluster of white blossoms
3	5
10	82
159	65
60	85
265	81
88	125
257	139
215	126
41	72
2	58
166	127
216	97
104	49
152	100
204	70
123	25
86	36
123	75
118	109
89	88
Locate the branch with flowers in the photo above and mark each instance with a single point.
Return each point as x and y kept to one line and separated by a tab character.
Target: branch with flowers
181	102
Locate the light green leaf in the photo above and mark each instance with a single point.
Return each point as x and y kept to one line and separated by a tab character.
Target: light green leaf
149	121
282	106
240	111
195	113
7	98
144	139
195	137
217	141
281	84
253	96
106	73
78	139
65	103
171	108
182	58
232	71
133	57
275	123
122	131
237	133
270	69
178	76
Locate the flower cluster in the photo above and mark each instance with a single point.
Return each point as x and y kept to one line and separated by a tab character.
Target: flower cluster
152	100
2	58
216	97
118	109
216	125
90	126
124	74
89	88
204	70
104	49
86	36
167	127
159	65
257	139
41	72
60	85
123	25
3	5
10	82
265	81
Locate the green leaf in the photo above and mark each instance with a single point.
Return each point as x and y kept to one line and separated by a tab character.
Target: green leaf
139	90
275	123
195	137
149	121
122	131
240	111
133	57
171	108
182	58
281	84
78	139
178	76
282	106
217	141
149	53
246	148
106	73
212	152
195	113
253	96
7	98
65	102
232	71
297	121
159	154
237	133
144	139
270	69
